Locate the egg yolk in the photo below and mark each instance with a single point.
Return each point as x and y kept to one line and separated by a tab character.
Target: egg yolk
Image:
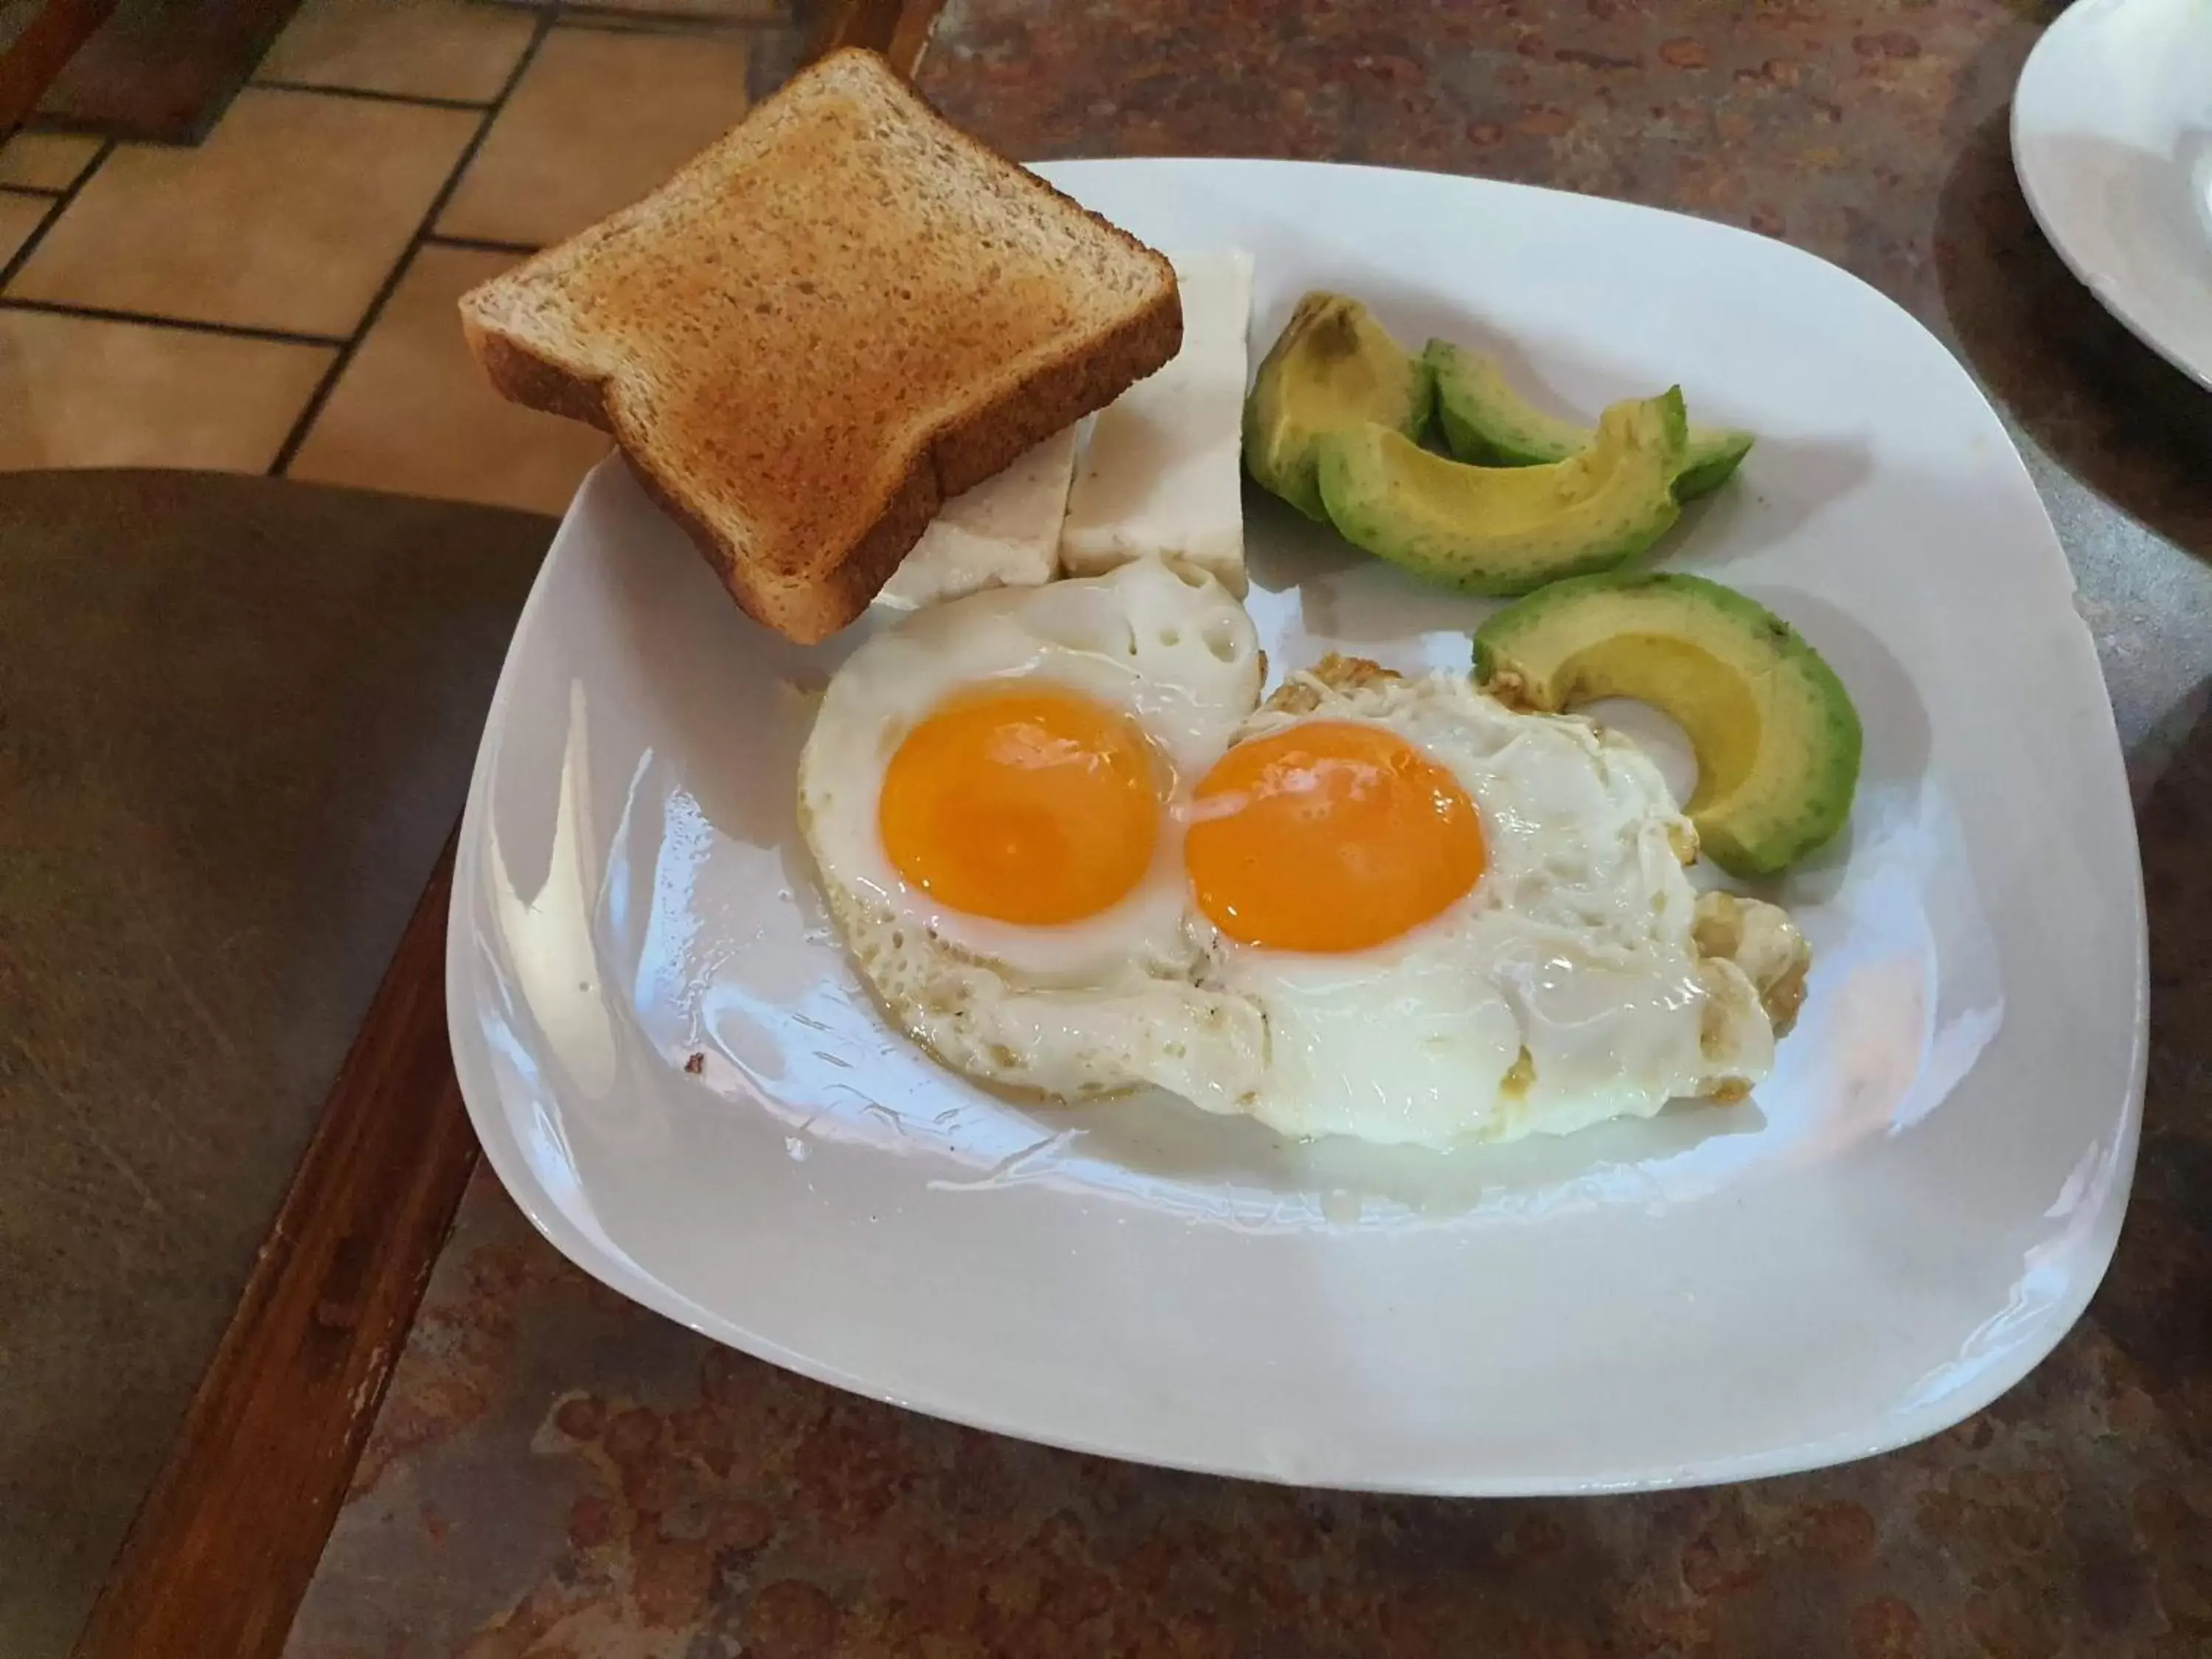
1026	805
1329	836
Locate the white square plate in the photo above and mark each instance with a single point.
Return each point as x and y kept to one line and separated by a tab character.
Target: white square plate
1904	1220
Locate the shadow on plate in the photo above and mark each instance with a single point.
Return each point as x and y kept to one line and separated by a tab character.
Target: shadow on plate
1892	717
2106	407
1817	472
1784	484
1232	1171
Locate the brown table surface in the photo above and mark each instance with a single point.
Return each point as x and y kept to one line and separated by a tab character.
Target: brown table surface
557	1473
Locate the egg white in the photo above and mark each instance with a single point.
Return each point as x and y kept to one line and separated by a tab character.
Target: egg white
1564	989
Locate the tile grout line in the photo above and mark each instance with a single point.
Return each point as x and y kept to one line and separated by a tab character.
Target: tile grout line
671	26
608	20
305	424
40	190
22	255
370	94
152	319
480	244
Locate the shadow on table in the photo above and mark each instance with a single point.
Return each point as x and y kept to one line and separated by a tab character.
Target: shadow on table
2106	407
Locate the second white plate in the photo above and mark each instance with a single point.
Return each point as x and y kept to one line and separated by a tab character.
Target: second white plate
2111	134
1907	1216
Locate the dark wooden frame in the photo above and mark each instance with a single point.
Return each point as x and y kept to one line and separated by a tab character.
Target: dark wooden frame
162	73
897	29
48	41
222	1548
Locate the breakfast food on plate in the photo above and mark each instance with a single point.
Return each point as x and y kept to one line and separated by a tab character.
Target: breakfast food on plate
1069	848
1005	532
1070	855
1460	922
841	316
1483	420
1507	530
984	793
1777	737
1160	474
1761	940
1334	426
1334	366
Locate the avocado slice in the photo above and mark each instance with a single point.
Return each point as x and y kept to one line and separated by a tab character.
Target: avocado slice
1487	422
1507	530
1334	366
1776	738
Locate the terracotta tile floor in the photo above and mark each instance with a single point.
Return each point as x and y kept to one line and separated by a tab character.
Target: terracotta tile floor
281	297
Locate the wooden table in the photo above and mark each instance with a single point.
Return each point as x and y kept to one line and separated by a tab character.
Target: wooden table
557	1471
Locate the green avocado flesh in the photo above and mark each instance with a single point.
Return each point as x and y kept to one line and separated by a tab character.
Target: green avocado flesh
1507	530
1333	367
1487	422
1776	738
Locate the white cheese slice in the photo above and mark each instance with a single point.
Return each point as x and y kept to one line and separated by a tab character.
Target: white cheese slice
1161	474
1005	532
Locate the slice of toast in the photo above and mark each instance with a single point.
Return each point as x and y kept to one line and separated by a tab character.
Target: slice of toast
839	317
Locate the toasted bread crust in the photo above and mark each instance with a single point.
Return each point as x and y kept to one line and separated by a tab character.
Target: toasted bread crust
984	443
812	593
524	378
815	612
993	438
521	377
1334	672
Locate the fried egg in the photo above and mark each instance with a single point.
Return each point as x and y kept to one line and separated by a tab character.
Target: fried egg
1461	922
1071	855
988	795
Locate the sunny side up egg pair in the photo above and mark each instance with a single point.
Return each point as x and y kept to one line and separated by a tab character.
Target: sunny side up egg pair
1072	853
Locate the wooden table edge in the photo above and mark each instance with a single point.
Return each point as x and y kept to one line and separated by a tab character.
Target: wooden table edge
222	1550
